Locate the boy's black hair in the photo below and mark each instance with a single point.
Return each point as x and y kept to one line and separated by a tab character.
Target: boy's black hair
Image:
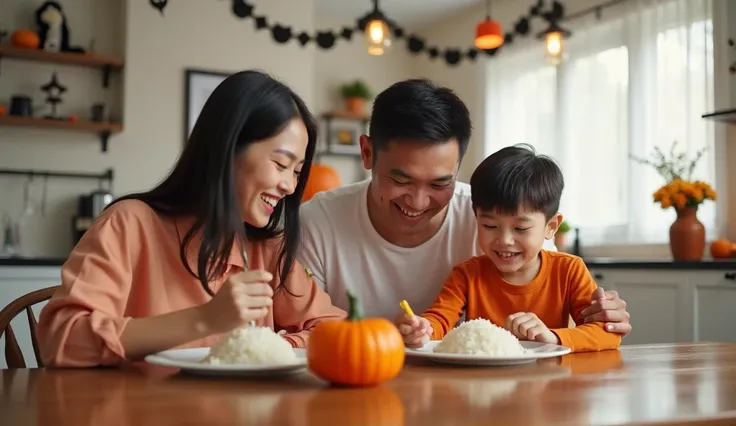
515	178
419	110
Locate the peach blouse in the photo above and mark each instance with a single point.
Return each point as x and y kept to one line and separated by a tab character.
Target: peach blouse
127	265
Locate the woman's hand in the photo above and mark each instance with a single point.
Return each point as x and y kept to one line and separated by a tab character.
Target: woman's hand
244	297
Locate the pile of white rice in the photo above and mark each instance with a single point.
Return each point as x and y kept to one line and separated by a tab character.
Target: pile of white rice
251	346
480	337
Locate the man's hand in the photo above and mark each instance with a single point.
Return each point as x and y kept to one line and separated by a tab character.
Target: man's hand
609	308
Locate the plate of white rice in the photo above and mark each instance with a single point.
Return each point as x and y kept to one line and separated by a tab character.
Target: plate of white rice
482	343
246	351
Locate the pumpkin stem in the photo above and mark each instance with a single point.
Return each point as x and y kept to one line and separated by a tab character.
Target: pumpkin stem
355	312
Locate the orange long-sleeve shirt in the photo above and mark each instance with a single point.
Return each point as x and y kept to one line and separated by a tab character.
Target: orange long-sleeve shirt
562	287
128	266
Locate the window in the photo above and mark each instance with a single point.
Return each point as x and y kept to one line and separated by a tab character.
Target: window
593	155
522	102
632	83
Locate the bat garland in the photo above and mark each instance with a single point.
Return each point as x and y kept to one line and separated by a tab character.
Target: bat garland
326	39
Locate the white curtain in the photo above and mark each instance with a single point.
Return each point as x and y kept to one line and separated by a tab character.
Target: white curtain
521	101
639	78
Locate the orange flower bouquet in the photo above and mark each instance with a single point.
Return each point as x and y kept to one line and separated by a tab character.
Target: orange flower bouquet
687	233
680	193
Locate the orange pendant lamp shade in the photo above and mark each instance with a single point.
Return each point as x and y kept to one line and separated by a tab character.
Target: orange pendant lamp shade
488	35
321	178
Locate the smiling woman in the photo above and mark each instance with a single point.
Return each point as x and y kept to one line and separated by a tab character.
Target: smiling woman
167	268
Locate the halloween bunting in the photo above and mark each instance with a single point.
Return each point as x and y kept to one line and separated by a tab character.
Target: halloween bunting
327	38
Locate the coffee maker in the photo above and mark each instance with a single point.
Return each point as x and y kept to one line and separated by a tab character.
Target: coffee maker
89	207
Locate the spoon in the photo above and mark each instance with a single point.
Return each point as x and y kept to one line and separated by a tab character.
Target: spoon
251	323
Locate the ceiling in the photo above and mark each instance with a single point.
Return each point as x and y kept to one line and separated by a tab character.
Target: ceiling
406	13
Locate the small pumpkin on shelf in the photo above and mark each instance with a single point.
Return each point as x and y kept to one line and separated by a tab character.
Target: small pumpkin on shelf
24	38
357	351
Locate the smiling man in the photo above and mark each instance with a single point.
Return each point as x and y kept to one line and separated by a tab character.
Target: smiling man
398	235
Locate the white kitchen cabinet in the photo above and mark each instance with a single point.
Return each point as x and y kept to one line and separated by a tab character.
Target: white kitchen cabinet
15	281
669	305
713	296
655	300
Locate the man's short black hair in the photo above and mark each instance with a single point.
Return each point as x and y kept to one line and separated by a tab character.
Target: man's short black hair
419	110
515	178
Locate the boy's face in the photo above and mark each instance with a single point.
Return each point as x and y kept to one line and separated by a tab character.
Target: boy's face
513	242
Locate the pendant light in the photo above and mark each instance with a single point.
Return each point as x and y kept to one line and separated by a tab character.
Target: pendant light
377	32
554	42
488	33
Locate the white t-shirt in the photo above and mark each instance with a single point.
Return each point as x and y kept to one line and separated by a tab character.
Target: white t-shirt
344	252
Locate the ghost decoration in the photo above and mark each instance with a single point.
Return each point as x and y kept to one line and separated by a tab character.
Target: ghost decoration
53	31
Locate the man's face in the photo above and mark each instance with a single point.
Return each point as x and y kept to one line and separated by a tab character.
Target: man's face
412	184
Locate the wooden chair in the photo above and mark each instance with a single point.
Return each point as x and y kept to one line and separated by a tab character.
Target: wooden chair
13	354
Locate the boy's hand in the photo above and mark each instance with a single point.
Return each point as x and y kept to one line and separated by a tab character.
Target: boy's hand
415	330
526	326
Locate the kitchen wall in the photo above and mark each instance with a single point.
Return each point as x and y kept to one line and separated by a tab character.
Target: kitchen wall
150	93
726	99
20	148
348	61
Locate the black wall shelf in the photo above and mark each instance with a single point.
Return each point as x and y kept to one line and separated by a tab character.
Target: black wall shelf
327	150
107	175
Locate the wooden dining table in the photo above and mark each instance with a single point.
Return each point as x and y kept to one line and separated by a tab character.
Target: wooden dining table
668	384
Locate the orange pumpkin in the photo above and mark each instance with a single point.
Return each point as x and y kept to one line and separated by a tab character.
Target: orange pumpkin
3	110
25	38
321	178
356	351
721	249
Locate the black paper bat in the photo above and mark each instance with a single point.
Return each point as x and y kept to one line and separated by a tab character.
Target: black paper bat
159	4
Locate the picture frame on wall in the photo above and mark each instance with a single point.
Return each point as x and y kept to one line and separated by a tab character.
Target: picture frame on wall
199	85
344	138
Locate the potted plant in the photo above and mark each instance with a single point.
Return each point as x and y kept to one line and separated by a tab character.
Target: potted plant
355	95
560	235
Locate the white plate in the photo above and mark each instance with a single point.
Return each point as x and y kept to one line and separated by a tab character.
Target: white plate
189	360
538	351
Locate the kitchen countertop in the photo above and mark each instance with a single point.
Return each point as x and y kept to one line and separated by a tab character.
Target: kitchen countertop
592	262
31	261
665	264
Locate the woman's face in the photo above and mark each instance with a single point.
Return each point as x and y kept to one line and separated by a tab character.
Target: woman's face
268	170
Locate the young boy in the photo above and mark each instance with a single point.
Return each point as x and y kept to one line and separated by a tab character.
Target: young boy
516	285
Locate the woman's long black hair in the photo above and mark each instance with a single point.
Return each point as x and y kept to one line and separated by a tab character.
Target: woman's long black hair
245	108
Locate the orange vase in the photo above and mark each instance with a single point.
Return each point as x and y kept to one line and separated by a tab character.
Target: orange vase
687	235
356	105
